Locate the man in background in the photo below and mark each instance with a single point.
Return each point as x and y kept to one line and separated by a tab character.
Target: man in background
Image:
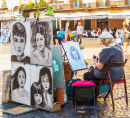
79	33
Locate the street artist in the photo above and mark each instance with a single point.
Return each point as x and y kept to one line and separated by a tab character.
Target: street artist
112	52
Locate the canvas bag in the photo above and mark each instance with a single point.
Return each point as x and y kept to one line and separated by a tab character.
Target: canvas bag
69	88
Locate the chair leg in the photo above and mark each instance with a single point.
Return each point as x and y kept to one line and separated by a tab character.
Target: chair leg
126	93
111	91
107	95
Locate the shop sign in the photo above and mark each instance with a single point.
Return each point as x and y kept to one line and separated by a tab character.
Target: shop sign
118	17
70	18
98	17
94	17
87	17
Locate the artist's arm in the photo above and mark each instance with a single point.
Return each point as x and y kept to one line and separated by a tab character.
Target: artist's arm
99	65
104	58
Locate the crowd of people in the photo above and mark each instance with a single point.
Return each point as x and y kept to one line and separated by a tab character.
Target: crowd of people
69	35
77	34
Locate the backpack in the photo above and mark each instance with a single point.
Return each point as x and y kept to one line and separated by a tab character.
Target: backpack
69	88
71	34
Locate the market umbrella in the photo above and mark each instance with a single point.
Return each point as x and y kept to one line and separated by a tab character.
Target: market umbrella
5	17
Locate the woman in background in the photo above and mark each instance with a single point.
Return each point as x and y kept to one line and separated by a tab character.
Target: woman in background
126	26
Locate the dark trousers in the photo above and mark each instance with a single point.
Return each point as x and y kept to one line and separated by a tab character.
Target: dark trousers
79	37
90	76
59	39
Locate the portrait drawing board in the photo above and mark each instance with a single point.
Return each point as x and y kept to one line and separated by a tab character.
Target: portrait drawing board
6	86
74	55
58	76
20	83
42	87
20	41
41	43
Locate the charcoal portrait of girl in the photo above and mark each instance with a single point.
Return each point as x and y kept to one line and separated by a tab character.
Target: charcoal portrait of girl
45	80
19	42
41	52
36	95
19	92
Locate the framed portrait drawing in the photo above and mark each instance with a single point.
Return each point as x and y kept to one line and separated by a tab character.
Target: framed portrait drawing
20	83
57	64
42	87
5	35
6	87
20	41
41	43
74	55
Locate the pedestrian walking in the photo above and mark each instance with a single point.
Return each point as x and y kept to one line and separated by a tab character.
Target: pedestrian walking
79	33
127	32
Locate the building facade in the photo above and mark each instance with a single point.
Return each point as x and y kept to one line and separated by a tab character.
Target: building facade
90	7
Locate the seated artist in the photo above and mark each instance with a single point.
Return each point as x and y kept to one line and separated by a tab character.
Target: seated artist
112	52
59	36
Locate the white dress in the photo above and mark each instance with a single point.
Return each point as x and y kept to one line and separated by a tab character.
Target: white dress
17	98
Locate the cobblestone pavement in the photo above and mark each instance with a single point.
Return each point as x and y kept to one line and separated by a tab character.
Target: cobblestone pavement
103	108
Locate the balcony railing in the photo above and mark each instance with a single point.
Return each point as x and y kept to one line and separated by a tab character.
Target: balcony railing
61	5
65	6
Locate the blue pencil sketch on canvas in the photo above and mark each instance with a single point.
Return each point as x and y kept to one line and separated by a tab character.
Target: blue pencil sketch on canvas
74	55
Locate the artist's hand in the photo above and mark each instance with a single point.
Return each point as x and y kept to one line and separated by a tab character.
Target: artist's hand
96	59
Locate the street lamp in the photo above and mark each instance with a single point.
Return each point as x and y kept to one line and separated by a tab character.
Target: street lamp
50	11
50	8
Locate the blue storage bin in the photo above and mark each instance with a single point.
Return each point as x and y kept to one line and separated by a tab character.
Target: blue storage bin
104	88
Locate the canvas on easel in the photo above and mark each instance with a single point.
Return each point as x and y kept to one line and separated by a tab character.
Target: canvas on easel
74	55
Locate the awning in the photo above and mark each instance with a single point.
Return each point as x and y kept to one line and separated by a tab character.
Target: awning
75	16
89	1
5	17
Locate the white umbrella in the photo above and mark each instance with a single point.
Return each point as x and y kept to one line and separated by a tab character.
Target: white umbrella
5	17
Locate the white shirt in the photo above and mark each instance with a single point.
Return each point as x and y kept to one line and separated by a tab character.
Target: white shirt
79	30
